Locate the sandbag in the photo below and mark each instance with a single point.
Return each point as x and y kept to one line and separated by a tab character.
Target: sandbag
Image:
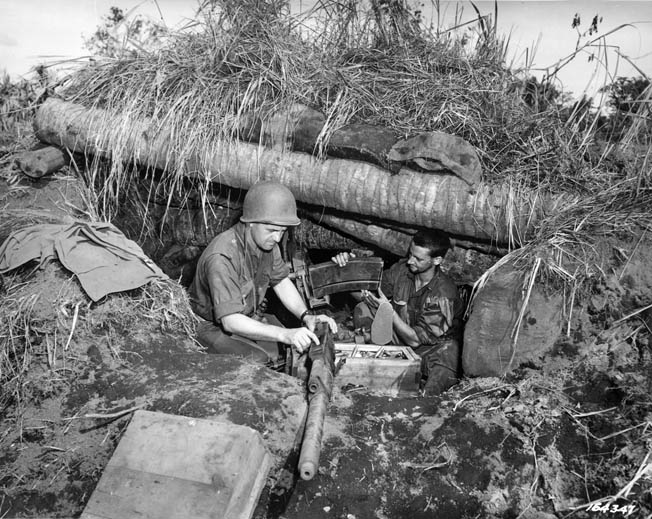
488	349
439	152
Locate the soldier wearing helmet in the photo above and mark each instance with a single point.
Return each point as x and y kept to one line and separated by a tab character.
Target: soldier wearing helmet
232	277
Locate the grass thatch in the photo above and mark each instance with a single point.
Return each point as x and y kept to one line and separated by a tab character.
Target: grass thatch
379	64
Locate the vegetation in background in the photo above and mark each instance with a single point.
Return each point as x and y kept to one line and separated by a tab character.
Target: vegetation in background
628	100
122	35
18	102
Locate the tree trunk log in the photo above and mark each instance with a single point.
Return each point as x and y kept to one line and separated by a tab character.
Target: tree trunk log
41	162
464	265
497	213
298	128
390	240
193	227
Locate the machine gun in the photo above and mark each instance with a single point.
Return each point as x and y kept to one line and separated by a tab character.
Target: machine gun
321	362
316	282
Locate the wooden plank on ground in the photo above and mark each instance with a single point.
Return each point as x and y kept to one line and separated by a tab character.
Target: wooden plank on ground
181	468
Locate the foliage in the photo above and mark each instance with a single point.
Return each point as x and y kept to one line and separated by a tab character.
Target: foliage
122	36
18	101
541	95
626	93
627	100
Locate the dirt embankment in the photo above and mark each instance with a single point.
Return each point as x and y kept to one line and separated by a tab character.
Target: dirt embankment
548	441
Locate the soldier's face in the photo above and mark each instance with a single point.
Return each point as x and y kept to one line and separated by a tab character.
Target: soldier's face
267	235
419	259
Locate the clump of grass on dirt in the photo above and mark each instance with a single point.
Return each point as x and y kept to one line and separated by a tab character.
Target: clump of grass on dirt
16	347
46	320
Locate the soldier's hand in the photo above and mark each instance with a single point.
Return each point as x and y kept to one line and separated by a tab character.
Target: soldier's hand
312	320
299	338
342	258
372	300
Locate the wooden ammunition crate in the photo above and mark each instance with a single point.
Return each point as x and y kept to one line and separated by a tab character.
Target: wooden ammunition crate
178	468
390	370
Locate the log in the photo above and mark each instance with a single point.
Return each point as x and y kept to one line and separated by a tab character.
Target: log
299	128
41	162
363	142
390	240
465	265
395	239
503	214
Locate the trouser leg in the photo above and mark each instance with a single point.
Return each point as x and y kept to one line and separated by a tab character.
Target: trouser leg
216	341
363	316
441	366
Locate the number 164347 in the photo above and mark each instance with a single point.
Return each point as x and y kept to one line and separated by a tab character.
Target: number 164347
611	508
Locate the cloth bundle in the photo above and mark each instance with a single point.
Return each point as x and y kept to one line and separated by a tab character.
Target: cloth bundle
103	259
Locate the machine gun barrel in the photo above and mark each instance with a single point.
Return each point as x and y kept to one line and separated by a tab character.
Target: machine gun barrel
320	389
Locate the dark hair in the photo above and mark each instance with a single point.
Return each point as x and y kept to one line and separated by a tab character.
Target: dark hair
436	241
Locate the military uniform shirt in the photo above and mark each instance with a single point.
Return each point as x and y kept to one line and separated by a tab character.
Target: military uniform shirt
233	275
434	311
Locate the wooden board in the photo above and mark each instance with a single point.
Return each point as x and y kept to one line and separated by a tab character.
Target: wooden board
391	370
358	274
181	468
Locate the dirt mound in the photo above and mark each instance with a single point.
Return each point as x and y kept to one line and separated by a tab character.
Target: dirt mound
541	443
551	439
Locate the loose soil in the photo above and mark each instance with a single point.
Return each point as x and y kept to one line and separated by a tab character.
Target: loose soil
543	443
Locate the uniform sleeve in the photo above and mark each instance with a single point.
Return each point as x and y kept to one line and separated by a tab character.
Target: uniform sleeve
280	270
226	292
388	281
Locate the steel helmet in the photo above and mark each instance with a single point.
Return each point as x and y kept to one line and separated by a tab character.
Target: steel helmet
270	202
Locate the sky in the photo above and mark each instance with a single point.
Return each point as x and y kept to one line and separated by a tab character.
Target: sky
51	31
